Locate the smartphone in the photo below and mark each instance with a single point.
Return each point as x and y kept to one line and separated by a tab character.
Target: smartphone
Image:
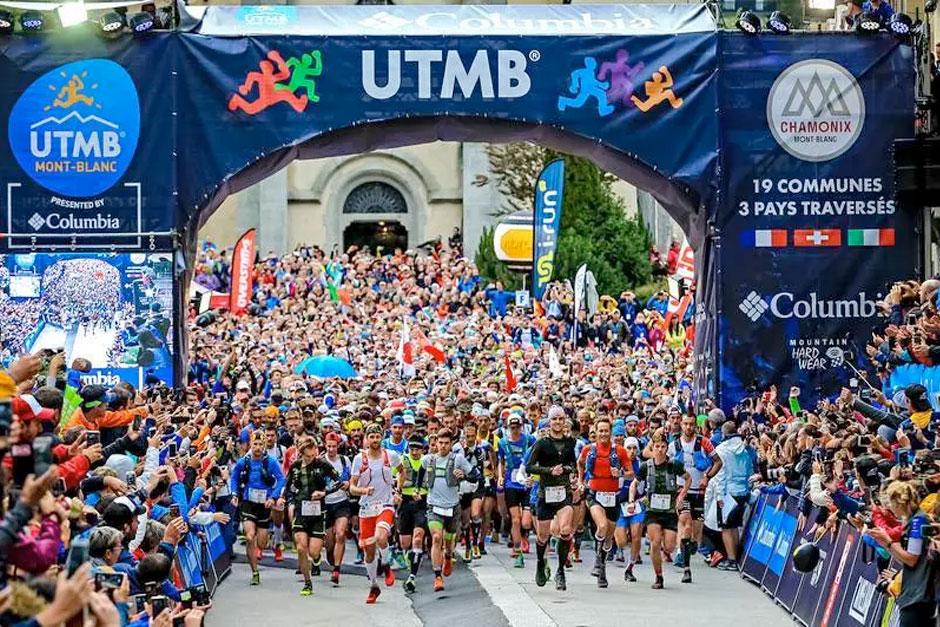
92	438
137	422
108	581
131	479
78	555
158	603
186	598
42	454
174	511
200	595
22	455
171	449
139	601
59	488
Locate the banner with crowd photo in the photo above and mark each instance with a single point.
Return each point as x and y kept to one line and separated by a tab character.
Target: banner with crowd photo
811	237
549	197
839	592
114	309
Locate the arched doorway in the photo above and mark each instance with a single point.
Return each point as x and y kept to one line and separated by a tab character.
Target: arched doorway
373	216
379	236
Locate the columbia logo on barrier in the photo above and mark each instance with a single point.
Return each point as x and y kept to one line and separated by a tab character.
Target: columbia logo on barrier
753	306
384	19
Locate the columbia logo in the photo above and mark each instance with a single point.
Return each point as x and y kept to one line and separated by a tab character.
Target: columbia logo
37	221
753	306
383	19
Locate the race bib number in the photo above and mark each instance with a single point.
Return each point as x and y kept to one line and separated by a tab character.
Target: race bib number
606	499
555	494
257	495
446	512
368	511
660	501
310	508
466	487
631	509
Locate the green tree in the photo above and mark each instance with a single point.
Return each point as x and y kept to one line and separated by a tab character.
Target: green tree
491	268
594	229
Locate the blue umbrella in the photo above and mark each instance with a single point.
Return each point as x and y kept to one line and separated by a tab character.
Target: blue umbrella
326	367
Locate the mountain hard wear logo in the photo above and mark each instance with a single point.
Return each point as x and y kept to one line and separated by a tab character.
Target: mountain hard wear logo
815	110
74	131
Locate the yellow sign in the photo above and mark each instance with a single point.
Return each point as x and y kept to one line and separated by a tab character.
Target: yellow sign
513	243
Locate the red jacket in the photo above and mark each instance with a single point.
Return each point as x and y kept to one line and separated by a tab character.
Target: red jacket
885	519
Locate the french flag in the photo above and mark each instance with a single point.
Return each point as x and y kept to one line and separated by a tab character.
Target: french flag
764	238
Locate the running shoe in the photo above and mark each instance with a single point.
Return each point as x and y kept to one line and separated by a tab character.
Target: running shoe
728	565
715	559
334	577
519	561
525	545
278	553
256	578
542	574
438	584
374	593
448	565
575	554
658	584
402	561
477	553
360	557
467	555
602	579
629	576
678	560
687	576
389	576
315	569
560	582
410	586
307	590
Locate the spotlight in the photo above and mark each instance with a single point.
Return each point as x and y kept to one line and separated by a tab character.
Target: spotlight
31	21
900	24
866	22
748	22
111	22
72	14
141	22
779	22
6	22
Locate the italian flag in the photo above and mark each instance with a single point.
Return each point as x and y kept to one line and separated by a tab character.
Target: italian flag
871	237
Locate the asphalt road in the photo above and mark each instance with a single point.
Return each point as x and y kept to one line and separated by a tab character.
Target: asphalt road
490	592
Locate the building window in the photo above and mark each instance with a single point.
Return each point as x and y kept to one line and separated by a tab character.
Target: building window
375	198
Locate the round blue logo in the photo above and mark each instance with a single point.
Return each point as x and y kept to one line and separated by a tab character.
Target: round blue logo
75	129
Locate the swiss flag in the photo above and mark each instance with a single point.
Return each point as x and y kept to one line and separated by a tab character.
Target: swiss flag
405	357
817	237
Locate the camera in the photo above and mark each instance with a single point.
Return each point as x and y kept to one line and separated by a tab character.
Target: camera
108	581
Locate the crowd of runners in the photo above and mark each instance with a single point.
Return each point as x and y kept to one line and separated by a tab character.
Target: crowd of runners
472	426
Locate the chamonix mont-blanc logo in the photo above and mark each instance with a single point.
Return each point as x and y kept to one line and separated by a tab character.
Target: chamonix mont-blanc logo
816	110
75	129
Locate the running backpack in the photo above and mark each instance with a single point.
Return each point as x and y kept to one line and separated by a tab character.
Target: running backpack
671	484
613	459
448	472
267	477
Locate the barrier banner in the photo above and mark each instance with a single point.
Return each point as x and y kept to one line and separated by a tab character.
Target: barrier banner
861	603
790	579
846	548
764	541
780	556
549	197
813	584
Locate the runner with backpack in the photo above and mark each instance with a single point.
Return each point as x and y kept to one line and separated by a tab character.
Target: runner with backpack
602	468
255	481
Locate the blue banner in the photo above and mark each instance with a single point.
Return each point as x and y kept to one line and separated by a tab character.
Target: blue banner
549	196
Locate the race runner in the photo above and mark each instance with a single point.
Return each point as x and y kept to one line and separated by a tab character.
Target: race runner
512	450
553	460
373	481
256	479
412	513
479	454
338	507
309	480
665	501
603	466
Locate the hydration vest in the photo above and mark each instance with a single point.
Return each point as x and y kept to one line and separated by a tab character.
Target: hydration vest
414	477
701	461
267	477
672	486
613	458
449	477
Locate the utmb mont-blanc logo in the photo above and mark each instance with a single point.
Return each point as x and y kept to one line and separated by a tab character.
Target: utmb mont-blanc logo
75	129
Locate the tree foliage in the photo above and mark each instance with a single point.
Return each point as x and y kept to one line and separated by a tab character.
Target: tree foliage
491	268
594	228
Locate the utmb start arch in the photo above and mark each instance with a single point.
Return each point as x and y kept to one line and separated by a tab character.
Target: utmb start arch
771	152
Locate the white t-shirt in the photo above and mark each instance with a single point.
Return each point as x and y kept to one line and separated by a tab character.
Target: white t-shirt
378	475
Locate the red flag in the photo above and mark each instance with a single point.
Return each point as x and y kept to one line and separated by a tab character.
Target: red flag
510	377
405	356
425	344
243	260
